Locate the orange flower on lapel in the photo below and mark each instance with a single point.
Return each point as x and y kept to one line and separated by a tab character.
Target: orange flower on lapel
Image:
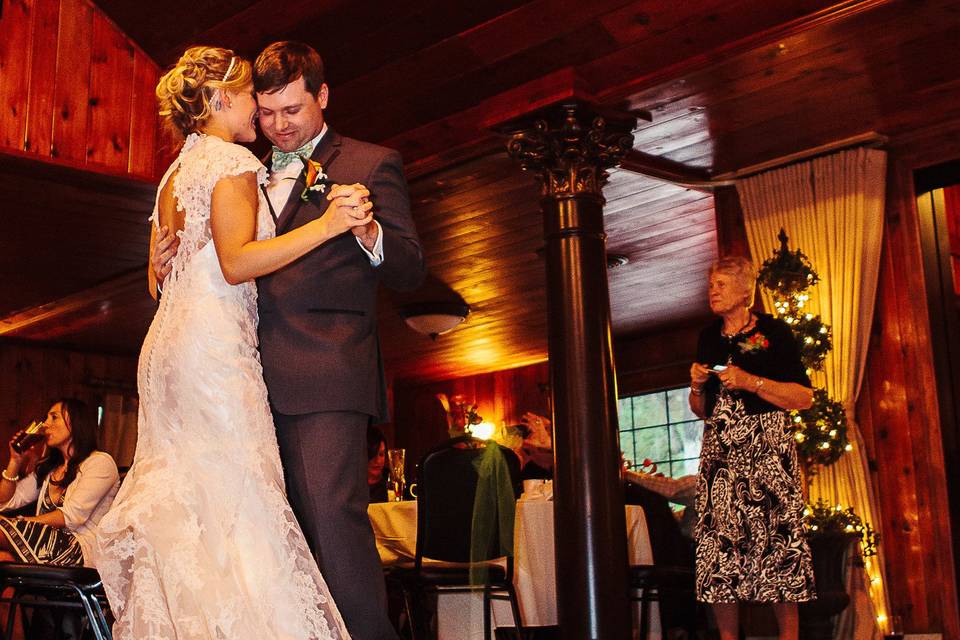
315	179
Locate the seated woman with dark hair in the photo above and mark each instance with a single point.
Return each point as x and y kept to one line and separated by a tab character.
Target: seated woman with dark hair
376	464
73	486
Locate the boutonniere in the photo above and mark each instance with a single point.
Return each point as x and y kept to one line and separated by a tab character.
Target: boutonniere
756	342
315	180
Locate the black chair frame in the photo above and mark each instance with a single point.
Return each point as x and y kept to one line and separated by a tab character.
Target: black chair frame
671	577
47	587
418	576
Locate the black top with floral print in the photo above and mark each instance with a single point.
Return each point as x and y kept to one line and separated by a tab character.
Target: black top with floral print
769	350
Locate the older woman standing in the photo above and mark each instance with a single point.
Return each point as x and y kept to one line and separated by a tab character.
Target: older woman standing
750	541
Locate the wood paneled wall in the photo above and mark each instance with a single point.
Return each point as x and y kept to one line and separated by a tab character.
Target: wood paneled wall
74	90
656	360
502	396
898	411
32	376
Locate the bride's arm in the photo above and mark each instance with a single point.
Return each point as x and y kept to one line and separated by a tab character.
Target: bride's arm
233	221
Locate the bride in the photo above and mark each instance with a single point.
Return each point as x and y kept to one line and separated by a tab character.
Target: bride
201	542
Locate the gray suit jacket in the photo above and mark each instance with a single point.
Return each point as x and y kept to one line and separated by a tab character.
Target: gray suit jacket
318	315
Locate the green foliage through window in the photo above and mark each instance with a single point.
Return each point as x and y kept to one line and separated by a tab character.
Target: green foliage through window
660	427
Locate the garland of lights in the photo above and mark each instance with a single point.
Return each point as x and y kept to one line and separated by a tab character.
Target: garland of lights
821	518
788	272
787	275
816	338
821	432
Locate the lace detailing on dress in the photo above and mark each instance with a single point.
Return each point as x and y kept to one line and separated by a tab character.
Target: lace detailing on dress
201	542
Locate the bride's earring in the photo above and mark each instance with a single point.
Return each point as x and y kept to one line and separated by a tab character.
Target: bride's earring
216	101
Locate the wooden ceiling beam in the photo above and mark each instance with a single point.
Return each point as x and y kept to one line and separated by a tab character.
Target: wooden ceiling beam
667	170
94	297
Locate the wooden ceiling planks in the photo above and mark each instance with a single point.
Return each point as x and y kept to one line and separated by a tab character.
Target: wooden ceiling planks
432	79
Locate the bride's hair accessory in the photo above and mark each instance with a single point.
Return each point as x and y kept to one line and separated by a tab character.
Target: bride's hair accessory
233	61
191	90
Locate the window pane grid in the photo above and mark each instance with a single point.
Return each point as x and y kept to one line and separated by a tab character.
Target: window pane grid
660	426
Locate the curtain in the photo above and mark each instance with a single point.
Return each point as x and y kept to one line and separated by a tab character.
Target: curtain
832	209
119	428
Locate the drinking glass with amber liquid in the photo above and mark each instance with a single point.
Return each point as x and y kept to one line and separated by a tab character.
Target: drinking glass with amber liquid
29	437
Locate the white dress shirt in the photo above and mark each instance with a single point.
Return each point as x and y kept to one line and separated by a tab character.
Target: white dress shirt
282	183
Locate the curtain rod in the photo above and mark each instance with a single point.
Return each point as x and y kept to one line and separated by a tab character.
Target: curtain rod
869	139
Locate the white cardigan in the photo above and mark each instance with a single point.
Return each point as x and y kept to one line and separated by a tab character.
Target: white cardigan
85	502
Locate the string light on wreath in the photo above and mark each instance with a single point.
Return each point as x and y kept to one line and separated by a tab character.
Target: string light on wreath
821	431
787	275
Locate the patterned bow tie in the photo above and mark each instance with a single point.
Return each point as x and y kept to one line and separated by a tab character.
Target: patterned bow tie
282	159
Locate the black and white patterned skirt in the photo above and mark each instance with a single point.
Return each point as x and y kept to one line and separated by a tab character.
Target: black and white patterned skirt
751	545
37	543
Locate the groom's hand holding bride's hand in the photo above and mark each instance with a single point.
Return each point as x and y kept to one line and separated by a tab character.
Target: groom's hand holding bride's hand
366	233
349	208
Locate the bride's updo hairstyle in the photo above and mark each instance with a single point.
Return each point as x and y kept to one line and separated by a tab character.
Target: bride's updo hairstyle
186	92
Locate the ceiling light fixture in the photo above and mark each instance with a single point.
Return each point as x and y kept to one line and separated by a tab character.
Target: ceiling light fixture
434	318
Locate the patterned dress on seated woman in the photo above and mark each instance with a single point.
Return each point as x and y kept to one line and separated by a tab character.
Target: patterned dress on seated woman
73	487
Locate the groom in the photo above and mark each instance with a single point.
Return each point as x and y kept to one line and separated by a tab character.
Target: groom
318	326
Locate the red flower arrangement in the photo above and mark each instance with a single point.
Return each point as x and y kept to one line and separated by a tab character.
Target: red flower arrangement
756	342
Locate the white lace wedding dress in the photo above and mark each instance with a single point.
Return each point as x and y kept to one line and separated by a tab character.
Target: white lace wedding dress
201	542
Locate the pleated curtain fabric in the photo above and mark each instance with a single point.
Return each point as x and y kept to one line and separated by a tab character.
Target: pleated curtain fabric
832	209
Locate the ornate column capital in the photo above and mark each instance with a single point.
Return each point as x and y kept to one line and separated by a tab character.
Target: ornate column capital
570	146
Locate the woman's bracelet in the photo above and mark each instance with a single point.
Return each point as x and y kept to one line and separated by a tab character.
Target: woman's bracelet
757	384
697	391
6	477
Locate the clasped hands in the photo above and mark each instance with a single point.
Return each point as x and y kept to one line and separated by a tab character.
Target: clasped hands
350	208
733	377
349	204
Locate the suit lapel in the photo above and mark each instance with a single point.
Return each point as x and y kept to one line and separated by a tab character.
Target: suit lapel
266	161
326	152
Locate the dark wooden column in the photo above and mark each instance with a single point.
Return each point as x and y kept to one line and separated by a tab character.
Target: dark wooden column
569	147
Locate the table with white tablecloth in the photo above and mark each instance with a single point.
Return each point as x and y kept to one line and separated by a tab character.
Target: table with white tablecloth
460	616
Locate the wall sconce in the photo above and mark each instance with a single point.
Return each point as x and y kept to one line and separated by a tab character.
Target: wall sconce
434	318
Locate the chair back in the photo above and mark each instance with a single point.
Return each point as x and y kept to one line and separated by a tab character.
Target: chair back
446	491
670	547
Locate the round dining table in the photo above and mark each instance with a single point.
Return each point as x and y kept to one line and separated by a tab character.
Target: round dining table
460	615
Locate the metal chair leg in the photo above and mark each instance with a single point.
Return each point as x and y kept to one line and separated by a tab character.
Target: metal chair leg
515	607
486	615
11	615
101	619
645	614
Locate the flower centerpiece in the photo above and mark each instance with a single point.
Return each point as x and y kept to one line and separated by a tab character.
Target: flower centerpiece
461	415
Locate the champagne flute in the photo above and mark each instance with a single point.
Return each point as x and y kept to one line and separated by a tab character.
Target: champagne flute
396	459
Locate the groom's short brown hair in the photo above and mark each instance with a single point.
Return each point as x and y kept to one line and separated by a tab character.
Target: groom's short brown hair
283	62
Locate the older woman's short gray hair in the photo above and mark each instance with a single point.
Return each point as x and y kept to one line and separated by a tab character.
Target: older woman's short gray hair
742	270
